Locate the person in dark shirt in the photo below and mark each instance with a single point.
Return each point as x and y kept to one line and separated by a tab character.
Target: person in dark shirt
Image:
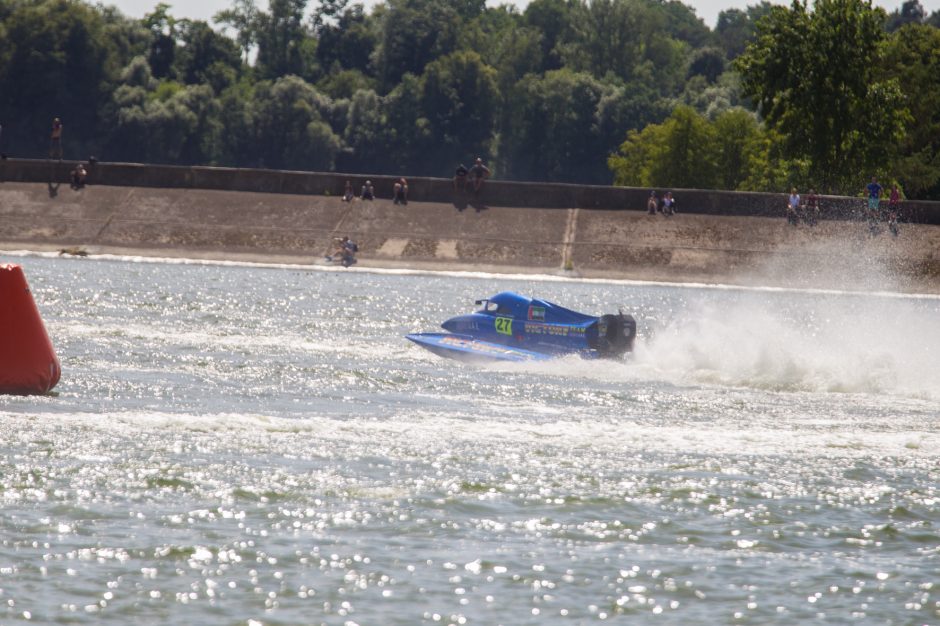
812	208
368	191
460	177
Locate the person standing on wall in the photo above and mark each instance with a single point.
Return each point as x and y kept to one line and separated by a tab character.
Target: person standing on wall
400	192
874	204
55	140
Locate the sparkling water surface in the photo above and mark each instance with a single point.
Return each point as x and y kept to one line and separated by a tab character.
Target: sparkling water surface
260	445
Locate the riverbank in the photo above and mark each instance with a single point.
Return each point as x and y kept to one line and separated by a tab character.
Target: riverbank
460	235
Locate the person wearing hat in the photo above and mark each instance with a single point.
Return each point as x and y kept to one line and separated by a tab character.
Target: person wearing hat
478	173
55	140
368	191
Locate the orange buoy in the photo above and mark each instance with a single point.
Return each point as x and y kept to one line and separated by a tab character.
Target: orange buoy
28	364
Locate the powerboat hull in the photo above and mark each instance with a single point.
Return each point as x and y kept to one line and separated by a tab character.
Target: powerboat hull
510	327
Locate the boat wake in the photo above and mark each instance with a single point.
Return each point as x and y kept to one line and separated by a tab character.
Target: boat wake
840	345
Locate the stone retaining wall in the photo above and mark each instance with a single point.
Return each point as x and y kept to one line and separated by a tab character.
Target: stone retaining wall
502	193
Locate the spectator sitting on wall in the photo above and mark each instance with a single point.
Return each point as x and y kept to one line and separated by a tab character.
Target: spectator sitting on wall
793	207
348	193
478	173
652	205
368	191
401	191
811	208
669	204
78	177
460	177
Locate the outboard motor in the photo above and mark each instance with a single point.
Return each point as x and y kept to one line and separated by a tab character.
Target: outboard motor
615	334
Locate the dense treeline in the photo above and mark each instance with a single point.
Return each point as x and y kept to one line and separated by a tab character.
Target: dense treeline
640	92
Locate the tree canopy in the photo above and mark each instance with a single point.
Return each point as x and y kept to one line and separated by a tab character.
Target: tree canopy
589	91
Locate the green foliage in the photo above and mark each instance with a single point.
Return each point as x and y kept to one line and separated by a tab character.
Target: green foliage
344	83
688	151
813	75
551	18
54	60
626	38
289	122
414	33
554	128
736	28
348	43
415	86
912	57
280	34
368	133
460	95
203	55
911	12
243	19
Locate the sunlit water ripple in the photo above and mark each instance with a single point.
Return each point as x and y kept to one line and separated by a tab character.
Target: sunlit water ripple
249	445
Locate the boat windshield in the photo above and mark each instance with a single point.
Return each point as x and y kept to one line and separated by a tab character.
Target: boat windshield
488	306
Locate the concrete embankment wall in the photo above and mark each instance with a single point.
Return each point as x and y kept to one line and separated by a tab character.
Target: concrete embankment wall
167	216
501	193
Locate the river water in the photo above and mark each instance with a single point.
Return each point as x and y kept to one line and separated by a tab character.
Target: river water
234	444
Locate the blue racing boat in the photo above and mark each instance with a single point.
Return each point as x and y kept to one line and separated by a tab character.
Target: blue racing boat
510	327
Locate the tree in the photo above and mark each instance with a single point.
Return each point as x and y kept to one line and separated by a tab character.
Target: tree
281	35
346	37
460	100
683	25
813	76
737	137
292	131
911	12
553	133
912	57
686	155
412	34
626	38
162	27
687	150
551	18
409	131
243	18
202	51
54	61
736	28
367	134
707	62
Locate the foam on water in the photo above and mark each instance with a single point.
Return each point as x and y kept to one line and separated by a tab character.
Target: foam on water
834	346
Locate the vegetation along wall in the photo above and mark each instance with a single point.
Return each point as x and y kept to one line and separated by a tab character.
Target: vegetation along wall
632	92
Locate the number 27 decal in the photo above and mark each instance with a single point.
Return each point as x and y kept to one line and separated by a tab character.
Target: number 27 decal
504	325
